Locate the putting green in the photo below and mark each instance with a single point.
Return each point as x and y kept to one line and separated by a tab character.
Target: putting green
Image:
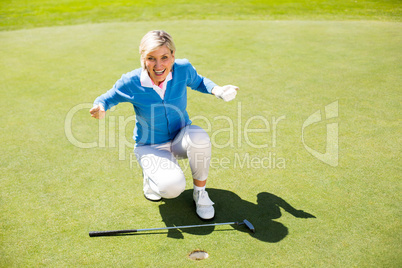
53	192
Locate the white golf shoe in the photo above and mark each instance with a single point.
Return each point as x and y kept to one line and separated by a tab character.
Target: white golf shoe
204	205
150	194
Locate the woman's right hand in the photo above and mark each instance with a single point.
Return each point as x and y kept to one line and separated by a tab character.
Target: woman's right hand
98	111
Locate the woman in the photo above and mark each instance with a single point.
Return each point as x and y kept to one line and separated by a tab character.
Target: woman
163	131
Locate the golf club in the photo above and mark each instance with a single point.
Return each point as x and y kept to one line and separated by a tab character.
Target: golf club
115	232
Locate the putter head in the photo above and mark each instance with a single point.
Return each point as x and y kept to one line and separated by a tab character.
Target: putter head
249	225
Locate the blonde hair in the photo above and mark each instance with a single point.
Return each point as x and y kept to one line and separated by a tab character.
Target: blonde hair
152	41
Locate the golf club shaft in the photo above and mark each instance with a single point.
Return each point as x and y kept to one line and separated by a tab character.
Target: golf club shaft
105	233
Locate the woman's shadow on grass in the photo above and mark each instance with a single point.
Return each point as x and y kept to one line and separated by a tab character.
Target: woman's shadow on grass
229	207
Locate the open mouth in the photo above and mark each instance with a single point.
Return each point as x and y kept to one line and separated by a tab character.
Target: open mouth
159	72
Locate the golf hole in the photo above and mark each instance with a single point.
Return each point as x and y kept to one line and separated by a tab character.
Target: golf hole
198	255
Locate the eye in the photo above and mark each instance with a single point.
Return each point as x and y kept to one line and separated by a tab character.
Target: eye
150	58
164	57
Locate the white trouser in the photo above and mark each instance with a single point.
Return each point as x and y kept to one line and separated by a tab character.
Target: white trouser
160	166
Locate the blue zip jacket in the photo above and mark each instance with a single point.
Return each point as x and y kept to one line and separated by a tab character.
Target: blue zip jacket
157	120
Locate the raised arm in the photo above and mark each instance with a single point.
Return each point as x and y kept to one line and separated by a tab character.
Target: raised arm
119	93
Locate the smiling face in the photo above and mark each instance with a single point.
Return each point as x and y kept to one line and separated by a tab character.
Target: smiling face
159	63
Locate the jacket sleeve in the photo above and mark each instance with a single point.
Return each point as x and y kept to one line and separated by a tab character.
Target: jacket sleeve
119	93
198	82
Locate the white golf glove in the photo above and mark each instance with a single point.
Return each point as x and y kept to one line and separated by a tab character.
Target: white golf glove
226	93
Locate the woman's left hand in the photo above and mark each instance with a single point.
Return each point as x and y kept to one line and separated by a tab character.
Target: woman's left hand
226	93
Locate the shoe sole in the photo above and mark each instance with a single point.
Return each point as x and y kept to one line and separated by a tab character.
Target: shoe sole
152	200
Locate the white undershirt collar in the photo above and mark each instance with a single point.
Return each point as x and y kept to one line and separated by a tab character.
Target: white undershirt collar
146	81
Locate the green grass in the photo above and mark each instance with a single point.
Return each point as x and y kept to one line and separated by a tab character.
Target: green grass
28	14
53	193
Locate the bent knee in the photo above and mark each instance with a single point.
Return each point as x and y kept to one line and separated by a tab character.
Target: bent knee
199	137
173	188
